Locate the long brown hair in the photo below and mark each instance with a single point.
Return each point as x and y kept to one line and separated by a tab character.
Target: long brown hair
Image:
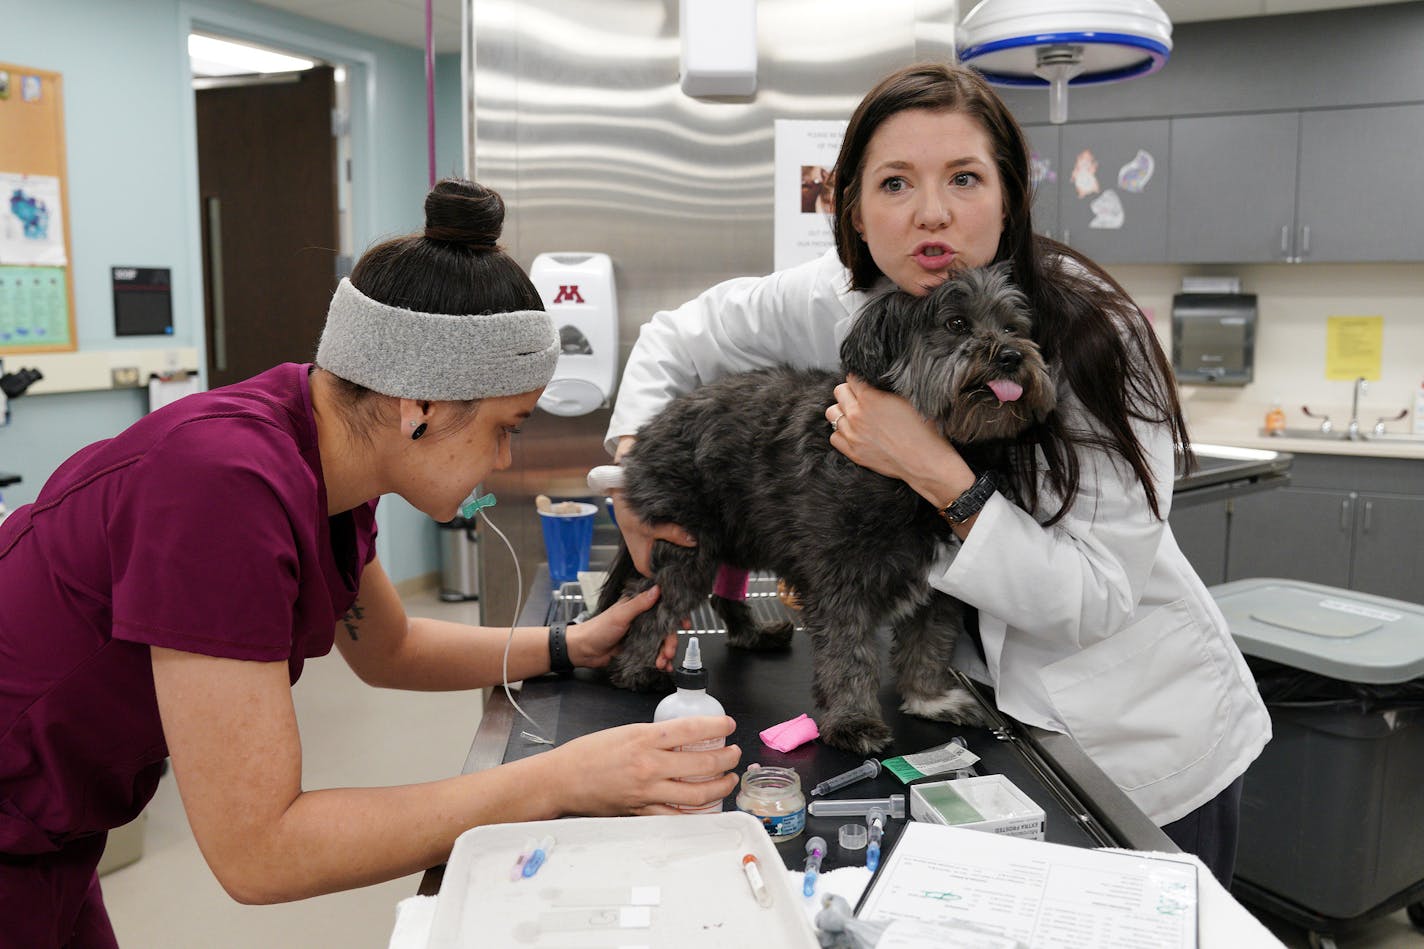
1084	322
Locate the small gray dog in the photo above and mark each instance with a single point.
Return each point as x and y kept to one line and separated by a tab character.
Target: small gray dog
746	465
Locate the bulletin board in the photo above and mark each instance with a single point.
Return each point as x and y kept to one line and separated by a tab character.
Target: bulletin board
36	279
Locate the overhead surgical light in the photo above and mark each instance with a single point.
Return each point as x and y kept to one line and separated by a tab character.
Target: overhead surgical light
1056	43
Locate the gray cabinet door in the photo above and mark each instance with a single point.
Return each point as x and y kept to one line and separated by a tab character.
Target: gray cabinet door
1046	177
1108	206
1292	533
1389	547
1359	198
1231	197
1200	531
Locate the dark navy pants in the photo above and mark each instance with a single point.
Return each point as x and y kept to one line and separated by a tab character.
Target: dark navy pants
1210	832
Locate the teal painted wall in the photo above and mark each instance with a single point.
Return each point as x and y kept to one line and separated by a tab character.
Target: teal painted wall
132	188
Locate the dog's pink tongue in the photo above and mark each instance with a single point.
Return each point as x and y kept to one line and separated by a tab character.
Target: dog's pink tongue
1006	390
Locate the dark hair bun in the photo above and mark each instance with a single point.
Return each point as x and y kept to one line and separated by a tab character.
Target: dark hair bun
463	212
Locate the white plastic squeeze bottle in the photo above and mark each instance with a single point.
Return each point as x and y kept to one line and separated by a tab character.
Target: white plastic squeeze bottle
690	699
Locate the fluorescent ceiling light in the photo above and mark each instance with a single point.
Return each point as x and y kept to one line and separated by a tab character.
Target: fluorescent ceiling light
211	56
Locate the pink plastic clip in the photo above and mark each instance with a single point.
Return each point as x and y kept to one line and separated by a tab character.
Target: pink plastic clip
792	734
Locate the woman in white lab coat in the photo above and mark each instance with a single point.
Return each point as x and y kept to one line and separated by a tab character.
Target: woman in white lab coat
1092	621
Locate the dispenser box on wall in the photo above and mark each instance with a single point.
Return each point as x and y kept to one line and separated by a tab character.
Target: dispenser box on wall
719	47
579	293
1214	337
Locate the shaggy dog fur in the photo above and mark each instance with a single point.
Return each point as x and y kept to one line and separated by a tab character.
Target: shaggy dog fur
745	463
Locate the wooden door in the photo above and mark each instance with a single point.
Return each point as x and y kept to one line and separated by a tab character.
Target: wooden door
267	176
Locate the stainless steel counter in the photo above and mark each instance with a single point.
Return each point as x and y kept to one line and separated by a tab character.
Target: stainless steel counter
1083	807
1228	471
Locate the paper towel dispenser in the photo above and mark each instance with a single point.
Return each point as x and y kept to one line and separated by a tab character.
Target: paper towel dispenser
579	293
1214	337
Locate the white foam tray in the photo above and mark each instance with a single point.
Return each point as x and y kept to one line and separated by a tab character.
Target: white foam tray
695	861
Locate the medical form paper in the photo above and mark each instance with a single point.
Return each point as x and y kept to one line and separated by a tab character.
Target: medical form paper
1040	894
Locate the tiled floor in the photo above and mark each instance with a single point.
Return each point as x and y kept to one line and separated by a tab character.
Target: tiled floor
356	735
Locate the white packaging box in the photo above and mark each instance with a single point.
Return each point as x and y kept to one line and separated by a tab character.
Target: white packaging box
990	803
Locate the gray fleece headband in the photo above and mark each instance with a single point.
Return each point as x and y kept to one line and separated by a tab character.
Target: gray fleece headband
432	356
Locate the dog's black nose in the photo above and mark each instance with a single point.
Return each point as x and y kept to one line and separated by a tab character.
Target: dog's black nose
1009	360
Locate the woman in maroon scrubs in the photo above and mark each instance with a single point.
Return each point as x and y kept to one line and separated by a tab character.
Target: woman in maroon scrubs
160	596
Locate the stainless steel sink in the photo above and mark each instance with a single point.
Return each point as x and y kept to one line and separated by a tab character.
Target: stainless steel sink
1395	437
1315	434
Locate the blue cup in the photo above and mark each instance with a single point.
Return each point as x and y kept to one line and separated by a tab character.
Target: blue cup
568	540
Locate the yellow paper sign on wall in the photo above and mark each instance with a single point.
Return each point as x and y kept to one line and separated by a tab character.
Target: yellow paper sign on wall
1354	347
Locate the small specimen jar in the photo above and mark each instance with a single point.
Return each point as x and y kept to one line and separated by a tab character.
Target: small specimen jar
773	796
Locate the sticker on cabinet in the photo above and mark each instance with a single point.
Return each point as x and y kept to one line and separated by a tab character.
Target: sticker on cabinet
1133	176
1040	169
1107	211
1085	174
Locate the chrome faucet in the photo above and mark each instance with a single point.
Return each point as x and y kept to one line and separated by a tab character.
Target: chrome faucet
1353	431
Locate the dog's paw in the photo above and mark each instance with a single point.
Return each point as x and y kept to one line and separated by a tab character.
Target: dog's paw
771	636
638	678
860	735
956	705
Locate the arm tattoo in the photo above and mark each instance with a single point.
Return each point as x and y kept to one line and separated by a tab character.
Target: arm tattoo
352	616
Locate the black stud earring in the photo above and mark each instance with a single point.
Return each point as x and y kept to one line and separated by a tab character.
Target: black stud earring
419	431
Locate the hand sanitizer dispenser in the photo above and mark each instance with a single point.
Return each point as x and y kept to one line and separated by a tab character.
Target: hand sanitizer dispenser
578	292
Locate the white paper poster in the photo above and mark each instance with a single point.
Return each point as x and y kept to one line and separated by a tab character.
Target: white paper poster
31	222
802	192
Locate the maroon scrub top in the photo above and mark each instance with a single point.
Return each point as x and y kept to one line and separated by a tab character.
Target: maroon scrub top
202	527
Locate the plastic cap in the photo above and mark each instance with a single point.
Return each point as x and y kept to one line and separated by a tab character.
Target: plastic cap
853	836
691	675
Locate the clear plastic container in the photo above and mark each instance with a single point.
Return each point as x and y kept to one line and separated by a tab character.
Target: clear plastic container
773	796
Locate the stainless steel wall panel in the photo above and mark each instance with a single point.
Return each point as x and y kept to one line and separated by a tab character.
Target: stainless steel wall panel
577	118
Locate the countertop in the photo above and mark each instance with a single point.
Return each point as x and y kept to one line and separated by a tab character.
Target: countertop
1241	437
1083	807
1241	426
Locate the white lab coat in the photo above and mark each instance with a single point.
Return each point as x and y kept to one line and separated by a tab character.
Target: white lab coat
1096	626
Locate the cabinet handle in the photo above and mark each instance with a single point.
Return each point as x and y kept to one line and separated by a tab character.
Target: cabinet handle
1305	240
1066	242
1345	514
1285	241
1369	511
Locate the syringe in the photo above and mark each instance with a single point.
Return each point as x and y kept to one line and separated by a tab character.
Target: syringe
815	850
894	805
868	770
875	822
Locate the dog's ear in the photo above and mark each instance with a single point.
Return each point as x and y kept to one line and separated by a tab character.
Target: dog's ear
880	334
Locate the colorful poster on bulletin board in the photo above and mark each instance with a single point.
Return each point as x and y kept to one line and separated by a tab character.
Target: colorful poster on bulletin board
1354	347
34	308
36	259
31	221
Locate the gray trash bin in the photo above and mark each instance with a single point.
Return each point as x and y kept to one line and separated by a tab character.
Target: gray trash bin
1332	813
459	560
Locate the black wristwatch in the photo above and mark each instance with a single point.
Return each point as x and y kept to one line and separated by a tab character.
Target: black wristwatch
971	502
559	649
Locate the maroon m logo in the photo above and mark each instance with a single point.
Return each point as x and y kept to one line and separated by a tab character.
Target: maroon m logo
568	294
